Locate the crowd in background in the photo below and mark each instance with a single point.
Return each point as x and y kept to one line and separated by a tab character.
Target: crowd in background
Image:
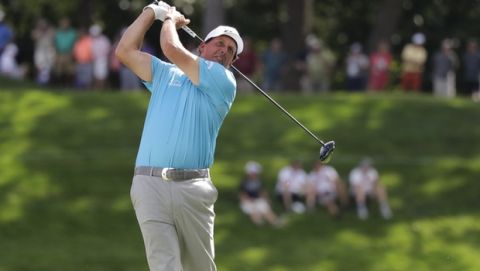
65	56
318	66
83	58
299	191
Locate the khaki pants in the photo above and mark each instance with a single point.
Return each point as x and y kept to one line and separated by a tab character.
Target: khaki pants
176	219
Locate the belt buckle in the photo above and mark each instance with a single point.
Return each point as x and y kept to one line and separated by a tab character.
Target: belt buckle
164	173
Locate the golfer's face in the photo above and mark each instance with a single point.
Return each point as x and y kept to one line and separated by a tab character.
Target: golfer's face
220	49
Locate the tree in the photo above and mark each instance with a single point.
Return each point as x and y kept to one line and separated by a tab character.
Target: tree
294	33
388	16
214	14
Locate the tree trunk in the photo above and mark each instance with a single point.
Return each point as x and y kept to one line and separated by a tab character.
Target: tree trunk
213	15
294	39
86	11
386	22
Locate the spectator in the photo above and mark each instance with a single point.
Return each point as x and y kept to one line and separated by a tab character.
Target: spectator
326	188
43	36
380	61
101	47
319	64
246	63
364	183
414	57
273	64
65	38
6	33
253	197
291	187
356	68
445	61
471	63
8	63
82	53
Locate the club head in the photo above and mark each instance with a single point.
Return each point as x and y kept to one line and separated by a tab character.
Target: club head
326	151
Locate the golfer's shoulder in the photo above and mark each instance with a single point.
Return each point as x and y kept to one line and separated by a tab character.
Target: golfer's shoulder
214	67
214	73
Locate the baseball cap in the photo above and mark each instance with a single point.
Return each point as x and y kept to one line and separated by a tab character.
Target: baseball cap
95	30
253	167
418	38
223	30
366	161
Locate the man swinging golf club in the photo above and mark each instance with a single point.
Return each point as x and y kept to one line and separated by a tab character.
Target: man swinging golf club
172	193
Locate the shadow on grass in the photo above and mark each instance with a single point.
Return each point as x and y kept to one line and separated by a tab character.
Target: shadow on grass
69	159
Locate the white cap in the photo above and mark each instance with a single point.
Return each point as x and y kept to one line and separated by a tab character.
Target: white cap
253	167
95	30
227	31
418	38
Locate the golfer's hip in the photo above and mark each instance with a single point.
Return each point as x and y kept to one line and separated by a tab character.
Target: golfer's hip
173	174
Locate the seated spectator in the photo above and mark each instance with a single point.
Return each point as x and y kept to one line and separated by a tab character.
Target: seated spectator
325	188
364	182
291	187
8	63
253	197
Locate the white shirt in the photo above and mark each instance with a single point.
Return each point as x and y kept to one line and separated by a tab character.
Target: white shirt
292	179
364	178
324	179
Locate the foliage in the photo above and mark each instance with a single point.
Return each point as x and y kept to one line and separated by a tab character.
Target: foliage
338	22
67	161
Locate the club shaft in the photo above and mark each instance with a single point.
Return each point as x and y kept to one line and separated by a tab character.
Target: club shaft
194	35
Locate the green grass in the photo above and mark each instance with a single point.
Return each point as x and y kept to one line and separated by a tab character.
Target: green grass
66	162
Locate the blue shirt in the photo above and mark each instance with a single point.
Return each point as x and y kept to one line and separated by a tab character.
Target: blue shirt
6	35
183	120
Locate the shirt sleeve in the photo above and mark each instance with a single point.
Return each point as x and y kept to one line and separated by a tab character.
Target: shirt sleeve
354	178
159	71
218	83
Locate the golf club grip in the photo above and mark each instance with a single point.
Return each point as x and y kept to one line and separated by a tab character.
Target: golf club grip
190	32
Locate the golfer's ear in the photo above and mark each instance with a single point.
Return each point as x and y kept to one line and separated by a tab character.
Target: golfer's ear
200	48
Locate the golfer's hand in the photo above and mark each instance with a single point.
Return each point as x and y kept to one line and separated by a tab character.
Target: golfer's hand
177	17
160	9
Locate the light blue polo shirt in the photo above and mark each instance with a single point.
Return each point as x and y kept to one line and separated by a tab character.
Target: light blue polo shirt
183	120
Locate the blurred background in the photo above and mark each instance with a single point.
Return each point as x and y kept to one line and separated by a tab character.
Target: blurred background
392	80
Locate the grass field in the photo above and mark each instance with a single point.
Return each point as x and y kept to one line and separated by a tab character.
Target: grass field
66	162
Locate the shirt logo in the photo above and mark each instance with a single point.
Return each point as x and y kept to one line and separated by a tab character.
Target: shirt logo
174	82
209	64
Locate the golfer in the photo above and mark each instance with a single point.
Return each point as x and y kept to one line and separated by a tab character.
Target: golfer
172	193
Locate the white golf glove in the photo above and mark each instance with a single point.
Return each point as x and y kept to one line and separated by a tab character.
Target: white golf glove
160	9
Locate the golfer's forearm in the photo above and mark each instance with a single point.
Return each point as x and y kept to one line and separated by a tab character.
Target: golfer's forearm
176	53
169	39
133	37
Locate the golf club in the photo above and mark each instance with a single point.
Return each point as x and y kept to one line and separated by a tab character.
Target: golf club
326	149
